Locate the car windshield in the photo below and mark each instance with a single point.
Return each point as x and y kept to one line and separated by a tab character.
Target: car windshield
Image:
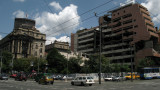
89	78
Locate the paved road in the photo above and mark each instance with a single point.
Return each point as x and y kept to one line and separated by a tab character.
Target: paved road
61	85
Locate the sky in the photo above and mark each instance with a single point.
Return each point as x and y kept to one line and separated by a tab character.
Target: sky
59	18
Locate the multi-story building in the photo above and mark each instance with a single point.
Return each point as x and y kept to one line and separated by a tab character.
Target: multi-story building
128	33
85	41
25	40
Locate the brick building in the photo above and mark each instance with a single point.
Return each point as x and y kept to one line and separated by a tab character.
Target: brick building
25	40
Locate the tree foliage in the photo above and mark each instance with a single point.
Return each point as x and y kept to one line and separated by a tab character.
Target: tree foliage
146	62
92	65
57	62
74	65
6	61
28	64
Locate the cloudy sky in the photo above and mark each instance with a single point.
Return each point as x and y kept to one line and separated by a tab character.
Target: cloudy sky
59	18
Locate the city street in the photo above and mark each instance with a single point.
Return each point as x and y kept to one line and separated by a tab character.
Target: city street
62	85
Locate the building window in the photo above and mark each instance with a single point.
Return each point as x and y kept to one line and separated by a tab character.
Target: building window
42	37
40	50
118	13
41	44
135	26
35	53
36	46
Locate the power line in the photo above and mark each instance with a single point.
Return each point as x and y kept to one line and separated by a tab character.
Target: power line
84	20
4	33
81	14
52	12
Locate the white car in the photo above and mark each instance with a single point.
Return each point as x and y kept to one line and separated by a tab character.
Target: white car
108	78
83	80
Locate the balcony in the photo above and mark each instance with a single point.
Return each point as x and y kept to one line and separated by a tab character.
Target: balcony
86	45
85	36
86	50
82	41
114	45
121	57
117	51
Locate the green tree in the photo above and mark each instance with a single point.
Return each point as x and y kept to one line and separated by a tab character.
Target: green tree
74	65
28	64
92	65
57	62
125	68
116	68
146	62
6	61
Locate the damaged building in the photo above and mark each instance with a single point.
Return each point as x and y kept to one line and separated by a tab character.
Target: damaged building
128	34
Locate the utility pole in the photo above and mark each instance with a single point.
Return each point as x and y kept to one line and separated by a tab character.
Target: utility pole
1	62
38	64
131	68
99	74
100	56
67	66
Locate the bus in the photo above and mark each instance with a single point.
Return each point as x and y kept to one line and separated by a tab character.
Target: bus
150	72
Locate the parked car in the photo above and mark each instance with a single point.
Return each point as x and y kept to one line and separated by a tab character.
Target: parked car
118	78
108	78
3	76
46	79
40	75
13	76
83	80
21	77
135	76
67	77
58	77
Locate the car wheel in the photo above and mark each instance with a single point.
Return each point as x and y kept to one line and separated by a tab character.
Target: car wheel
72	83
90	84
52	83
82	83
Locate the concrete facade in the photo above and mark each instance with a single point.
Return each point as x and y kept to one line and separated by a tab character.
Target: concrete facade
85	41
128	33
25	40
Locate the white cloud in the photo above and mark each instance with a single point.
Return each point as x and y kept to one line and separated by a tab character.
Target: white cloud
19	14
127	2
18	0
61	39
0	37
56	5
153	7
49	23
